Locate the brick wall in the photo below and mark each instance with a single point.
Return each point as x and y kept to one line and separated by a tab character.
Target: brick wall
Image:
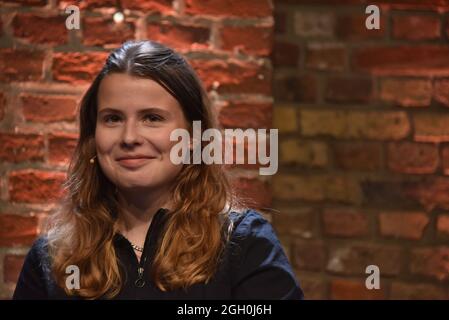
364	152
45	68
364	147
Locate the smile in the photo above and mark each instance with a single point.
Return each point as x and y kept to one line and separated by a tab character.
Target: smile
133	162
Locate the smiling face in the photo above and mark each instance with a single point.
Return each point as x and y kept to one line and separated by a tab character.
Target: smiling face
134	120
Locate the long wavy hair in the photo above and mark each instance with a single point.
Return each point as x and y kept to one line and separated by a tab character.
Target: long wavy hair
82	231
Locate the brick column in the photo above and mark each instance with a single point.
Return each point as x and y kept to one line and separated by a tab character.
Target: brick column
45	68
364	156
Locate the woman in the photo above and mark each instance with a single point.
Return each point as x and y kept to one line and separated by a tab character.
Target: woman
134	225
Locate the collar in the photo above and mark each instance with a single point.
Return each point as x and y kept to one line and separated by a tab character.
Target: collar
156	224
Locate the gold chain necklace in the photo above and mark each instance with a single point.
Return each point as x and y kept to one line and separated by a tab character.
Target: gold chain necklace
135	247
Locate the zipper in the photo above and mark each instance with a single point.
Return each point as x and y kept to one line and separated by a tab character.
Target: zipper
140	281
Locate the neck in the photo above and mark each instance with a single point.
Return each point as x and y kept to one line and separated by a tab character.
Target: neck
137	209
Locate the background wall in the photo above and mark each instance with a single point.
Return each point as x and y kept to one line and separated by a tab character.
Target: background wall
364	147
45	68
362	117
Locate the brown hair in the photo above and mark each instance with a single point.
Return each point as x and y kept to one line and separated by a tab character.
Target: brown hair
81	232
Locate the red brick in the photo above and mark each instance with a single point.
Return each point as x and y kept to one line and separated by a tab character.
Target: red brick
353	28
441	92
414	4
234	76
295	89
17	230
285	54
21	65
2	105
314	24
250	40
257	193
40	29
416	27
355	289
280	22
179	37
87	4
29	2
413	158
314	288
299	222
431	127
341	89
303	153
407	92
35	186
317	188
100	32
77	67
47	109
445	159
353	259
321	2
432	262
309	255
249	8
430	193
12	266
416	291
386	125
343	289
246	115
443	225
21	147
61	147
162	6
420	60
403	225
344	223
358	155
325	58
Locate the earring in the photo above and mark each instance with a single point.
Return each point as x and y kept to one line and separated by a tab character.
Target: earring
92	160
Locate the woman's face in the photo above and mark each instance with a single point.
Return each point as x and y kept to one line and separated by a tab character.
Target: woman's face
134	121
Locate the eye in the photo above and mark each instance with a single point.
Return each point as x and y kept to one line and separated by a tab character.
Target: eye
111	118
153	117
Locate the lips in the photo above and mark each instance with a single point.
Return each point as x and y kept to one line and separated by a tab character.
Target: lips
137	156
134	161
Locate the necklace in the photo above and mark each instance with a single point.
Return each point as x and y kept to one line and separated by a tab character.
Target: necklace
135	247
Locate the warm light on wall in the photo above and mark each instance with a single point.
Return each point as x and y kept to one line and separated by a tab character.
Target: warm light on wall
118	16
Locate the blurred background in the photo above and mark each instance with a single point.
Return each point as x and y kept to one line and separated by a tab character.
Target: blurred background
362	115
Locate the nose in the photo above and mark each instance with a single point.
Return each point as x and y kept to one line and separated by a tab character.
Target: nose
131	135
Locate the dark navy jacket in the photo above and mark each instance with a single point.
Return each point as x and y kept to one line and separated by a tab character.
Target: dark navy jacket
254	266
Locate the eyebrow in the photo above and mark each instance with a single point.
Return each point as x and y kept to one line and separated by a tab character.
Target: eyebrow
141	111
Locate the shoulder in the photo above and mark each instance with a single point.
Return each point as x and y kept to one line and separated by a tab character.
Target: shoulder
38	257
251	223
33	282
253	233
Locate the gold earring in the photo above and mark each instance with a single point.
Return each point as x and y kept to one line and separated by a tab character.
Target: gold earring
92	160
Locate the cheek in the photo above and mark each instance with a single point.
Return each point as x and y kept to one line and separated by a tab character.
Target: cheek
161	140
103	140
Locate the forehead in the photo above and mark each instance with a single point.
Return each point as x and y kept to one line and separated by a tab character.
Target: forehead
127	93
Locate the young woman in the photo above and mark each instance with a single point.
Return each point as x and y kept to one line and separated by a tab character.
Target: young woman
134	225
